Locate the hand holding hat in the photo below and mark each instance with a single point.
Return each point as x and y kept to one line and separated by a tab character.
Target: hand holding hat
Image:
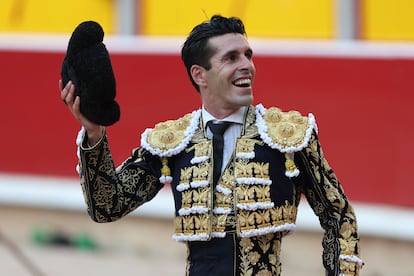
87	64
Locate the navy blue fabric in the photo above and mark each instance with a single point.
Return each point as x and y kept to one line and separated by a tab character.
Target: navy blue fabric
214	257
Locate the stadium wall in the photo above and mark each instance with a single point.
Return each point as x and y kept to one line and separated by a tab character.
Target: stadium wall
360	93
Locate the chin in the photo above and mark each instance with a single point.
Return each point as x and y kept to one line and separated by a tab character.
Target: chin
248	98
246	102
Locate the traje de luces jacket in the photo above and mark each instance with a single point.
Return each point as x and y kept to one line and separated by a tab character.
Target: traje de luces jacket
277	159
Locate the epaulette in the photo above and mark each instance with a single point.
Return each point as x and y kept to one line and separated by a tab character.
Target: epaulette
169	138
287	132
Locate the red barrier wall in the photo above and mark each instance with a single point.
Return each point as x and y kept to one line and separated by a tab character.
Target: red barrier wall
362	106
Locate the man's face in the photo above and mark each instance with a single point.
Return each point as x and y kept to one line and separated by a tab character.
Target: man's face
229	82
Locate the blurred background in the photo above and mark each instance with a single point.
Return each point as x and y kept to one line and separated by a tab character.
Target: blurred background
349	62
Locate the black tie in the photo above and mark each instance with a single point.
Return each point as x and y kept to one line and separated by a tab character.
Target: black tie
218	143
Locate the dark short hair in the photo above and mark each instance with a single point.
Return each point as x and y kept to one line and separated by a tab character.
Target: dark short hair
196	50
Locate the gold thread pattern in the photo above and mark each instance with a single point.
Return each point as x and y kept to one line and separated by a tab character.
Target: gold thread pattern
244	189
260	255
112	193
326	191
169	134
273	217
287	129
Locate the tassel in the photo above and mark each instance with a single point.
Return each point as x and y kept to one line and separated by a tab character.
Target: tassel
165	172
291	169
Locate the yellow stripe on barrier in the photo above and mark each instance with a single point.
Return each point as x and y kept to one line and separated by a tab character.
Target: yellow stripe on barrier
387	20
54	16
268	18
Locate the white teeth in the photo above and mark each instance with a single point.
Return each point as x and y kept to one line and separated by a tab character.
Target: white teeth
243	82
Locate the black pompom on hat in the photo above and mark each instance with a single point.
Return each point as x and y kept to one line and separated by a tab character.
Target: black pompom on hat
87	64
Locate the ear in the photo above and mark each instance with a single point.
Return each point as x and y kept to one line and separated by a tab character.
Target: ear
198	73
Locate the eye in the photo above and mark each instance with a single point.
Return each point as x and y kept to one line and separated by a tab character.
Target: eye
249	54
232	57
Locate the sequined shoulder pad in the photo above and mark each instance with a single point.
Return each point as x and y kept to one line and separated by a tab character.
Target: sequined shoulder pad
286	131
170	137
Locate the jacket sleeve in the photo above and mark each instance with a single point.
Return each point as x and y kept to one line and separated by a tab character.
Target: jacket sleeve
111	193
326	197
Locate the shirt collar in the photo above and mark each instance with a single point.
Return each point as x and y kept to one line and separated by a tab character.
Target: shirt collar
236	117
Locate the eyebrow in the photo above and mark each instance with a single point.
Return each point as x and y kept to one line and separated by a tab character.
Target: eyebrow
234	52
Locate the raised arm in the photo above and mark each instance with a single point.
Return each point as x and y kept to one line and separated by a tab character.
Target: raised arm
67	94
110	193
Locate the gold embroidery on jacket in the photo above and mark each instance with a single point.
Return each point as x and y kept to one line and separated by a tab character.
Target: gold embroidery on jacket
263	218
242	197
249	170
202	223
348	268
243	169
185	176
169	134
330	193
286	129
219	223
178	224
246	146
261	170
246	194
194	224
201	197
110	191
246	220
201	172
347	240
250	129
253	178
260	255
228	180
186	199
223	201
263	193
201	149
188	225
276	216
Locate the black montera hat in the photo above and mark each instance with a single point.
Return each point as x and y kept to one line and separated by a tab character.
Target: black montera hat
87	64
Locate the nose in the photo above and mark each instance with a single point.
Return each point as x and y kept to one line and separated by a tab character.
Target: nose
247	64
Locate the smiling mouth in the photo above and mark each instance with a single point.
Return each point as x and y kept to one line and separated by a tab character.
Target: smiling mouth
243	83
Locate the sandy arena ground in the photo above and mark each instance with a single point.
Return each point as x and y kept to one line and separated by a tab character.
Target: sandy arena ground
143	246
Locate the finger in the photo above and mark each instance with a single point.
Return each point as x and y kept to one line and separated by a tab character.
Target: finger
76	106
64	90
70	93
76	110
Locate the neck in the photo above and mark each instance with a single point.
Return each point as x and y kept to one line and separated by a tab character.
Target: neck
221	113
